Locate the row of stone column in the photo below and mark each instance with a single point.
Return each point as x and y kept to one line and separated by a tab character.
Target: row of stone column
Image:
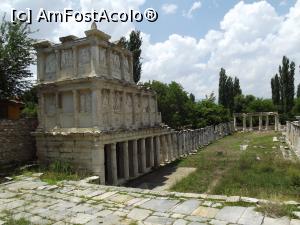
260	122
129	159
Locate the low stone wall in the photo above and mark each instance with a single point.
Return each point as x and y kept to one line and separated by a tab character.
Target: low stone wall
188	141
17	146
293	136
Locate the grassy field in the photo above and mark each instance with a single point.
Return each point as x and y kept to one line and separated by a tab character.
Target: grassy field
260	171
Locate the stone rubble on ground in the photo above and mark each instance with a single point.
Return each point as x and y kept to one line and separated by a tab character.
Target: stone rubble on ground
79	202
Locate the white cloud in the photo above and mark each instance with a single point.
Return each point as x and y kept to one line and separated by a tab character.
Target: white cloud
169	8
250	43
194	7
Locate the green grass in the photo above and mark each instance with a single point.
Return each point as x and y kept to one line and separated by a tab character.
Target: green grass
21	221
260	171
54	173
277	210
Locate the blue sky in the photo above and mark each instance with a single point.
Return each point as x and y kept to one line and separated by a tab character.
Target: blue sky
207	17
193	39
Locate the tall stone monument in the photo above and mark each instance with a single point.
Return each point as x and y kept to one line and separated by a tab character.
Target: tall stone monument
91	113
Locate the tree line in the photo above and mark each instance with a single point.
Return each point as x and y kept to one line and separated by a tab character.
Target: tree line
180	109
283	89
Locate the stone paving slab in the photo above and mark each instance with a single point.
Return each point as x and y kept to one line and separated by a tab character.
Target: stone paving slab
161	205
251	217
230	213
72	202
187	207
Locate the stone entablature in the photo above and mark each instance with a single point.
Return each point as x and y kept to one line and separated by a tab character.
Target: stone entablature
260	115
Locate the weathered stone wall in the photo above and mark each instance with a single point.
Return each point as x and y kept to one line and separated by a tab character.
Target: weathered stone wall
293	136
17	146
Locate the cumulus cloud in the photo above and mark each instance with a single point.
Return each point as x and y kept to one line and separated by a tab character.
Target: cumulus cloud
250	43
169	8
194	7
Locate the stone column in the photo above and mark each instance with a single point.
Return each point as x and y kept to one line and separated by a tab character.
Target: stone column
135	158
244	122
98	161
179	137
41	111
75	61
122	67
111	102
164	148
143	155
260	122
251	123
58	66
75	110
57	109
267	122
123	109
276	123
175	146
151	148
125	160
113	169
95	104
234	122
94	57
40	66
157	152
170	148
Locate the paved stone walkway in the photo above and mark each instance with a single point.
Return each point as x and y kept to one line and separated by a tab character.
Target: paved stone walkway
84	203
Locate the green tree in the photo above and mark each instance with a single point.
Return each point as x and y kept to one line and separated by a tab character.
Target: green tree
179	110
261	105
134	45
236	87
229	94
291	87
296	108
275	86
16	55
192	97
287	89
222	87
298	91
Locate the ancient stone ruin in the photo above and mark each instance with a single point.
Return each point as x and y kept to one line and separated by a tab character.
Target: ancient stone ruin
94	116
260	115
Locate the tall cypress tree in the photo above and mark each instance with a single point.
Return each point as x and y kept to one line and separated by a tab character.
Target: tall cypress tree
284	82
275	85
236	87
285	98
291	87
298	91
134	45
229	94
222	87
